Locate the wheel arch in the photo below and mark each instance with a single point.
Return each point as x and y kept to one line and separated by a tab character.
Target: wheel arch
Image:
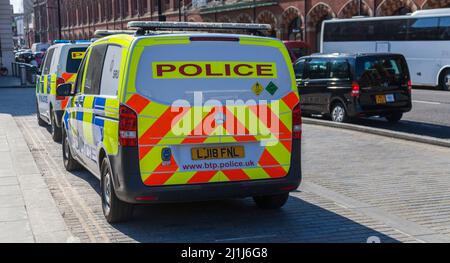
439	75
335	100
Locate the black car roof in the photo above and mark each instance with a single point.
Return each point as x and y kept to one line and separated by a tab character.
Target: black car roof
348	55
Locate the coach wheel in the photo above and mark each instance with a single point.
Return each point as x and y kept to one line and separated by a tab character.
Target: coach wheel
56	131
271	201
69	162
114	209
445	80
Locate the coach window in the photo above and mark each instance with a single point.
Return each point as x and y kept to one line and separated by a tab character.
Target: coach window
444	28
94	70
111	71
423	29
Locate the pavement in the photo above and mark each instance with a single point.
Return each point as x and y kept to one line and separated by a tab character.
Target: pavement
28	212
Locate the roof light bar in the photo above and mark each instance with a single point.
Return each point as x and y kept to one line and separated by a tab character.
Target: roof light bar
104	33
154	25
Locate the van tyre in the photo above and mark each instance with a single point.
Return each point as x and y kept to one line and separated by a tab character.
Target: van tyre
56	131
41	122
444	80
394	117
271	201
69	162
114	209
339	113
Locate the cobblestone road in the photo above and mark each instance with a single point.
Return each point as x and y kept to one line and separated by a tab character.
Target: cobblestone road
356	187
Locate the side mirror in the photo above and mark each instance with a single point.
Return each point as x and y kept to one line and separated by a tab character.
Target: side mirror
64	90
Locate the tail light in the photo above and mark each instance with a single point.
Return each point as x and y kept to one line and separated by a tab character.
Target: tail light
127	126
297	122
355	89
409	86
60	81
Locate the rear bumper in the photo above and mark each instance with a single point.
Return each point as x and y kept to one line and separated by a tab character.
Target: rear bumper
129	186
356	109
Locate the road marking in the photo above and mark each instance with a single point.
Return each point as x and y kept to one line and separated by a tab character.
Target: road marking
244	238
427	102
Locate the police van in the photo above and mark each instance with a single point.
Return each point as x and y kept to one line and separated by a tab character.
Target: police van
60	66
164	117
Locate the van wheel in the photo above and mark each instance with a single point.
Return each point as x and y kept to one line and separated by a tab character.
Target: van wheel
394	117
339	113
114	209
271	201
444	81
41	122
69	162
56	131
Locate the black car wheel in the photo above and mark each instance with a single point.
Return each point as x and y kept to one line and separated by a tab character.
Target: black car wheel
271	201
56	131
114	209
394	117
69	162
339	113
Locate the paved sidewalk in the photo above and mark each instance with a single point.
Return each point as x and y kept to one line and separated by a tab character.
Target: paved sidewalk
28	212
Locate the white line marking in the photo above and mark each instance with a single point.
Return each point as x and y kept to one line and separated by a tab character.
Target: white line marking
427	102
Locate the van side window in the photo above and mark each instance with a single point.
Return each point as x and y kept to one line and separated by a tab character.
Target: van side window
94	70
79	78
339	69
318	69
48	62
111	71
299	69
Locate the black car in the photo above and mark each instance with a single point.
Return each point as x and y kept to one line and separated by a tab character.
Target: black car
343	86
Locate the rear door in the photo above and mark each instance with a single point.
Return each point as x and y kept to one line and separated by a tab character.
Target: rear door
216	116
383	81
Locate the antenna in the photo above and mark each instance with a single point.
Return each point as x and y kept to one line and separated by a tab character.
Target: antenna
144	26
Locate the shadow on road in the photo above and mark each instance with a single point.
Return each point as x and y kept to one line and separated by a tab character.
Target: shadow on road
408	126
241	221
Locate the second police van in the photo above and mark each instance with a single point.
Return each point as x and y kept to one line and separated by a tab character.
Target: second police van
184	117
60	66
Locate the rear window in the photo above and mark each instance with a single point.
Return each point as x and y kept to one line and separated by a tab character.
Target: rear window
74	58
376	69
219	70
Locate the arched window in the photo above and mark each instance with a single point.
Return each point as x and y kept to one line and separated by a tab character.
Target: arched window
295	29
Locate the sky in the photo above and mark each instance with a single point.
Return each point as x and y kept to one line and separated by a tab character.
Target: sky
17	4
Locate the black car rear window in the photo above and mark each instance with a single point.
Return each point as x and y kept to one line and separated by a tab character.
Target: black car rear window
386	68
74	58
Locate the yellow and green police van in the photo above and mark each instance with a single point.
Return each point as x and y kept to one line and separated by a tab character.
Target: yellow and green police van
59	66
163	117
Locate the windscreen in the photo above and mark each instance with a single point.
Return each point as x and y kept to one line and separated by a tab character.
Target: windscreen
216	70
381	69
74	58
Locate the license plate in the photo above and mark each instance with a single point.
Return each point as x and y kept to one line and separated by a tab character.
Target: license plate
380	99
225	152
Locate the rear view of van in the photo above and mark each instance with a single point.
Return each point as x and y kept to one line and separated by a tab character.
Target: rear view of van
199	117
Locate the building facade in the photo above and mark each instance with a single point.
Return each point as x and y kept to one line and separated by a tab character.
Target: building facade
6	35
290	19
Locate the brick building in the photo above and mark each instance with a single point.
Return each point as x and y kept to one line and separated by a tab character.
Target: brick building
290	19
